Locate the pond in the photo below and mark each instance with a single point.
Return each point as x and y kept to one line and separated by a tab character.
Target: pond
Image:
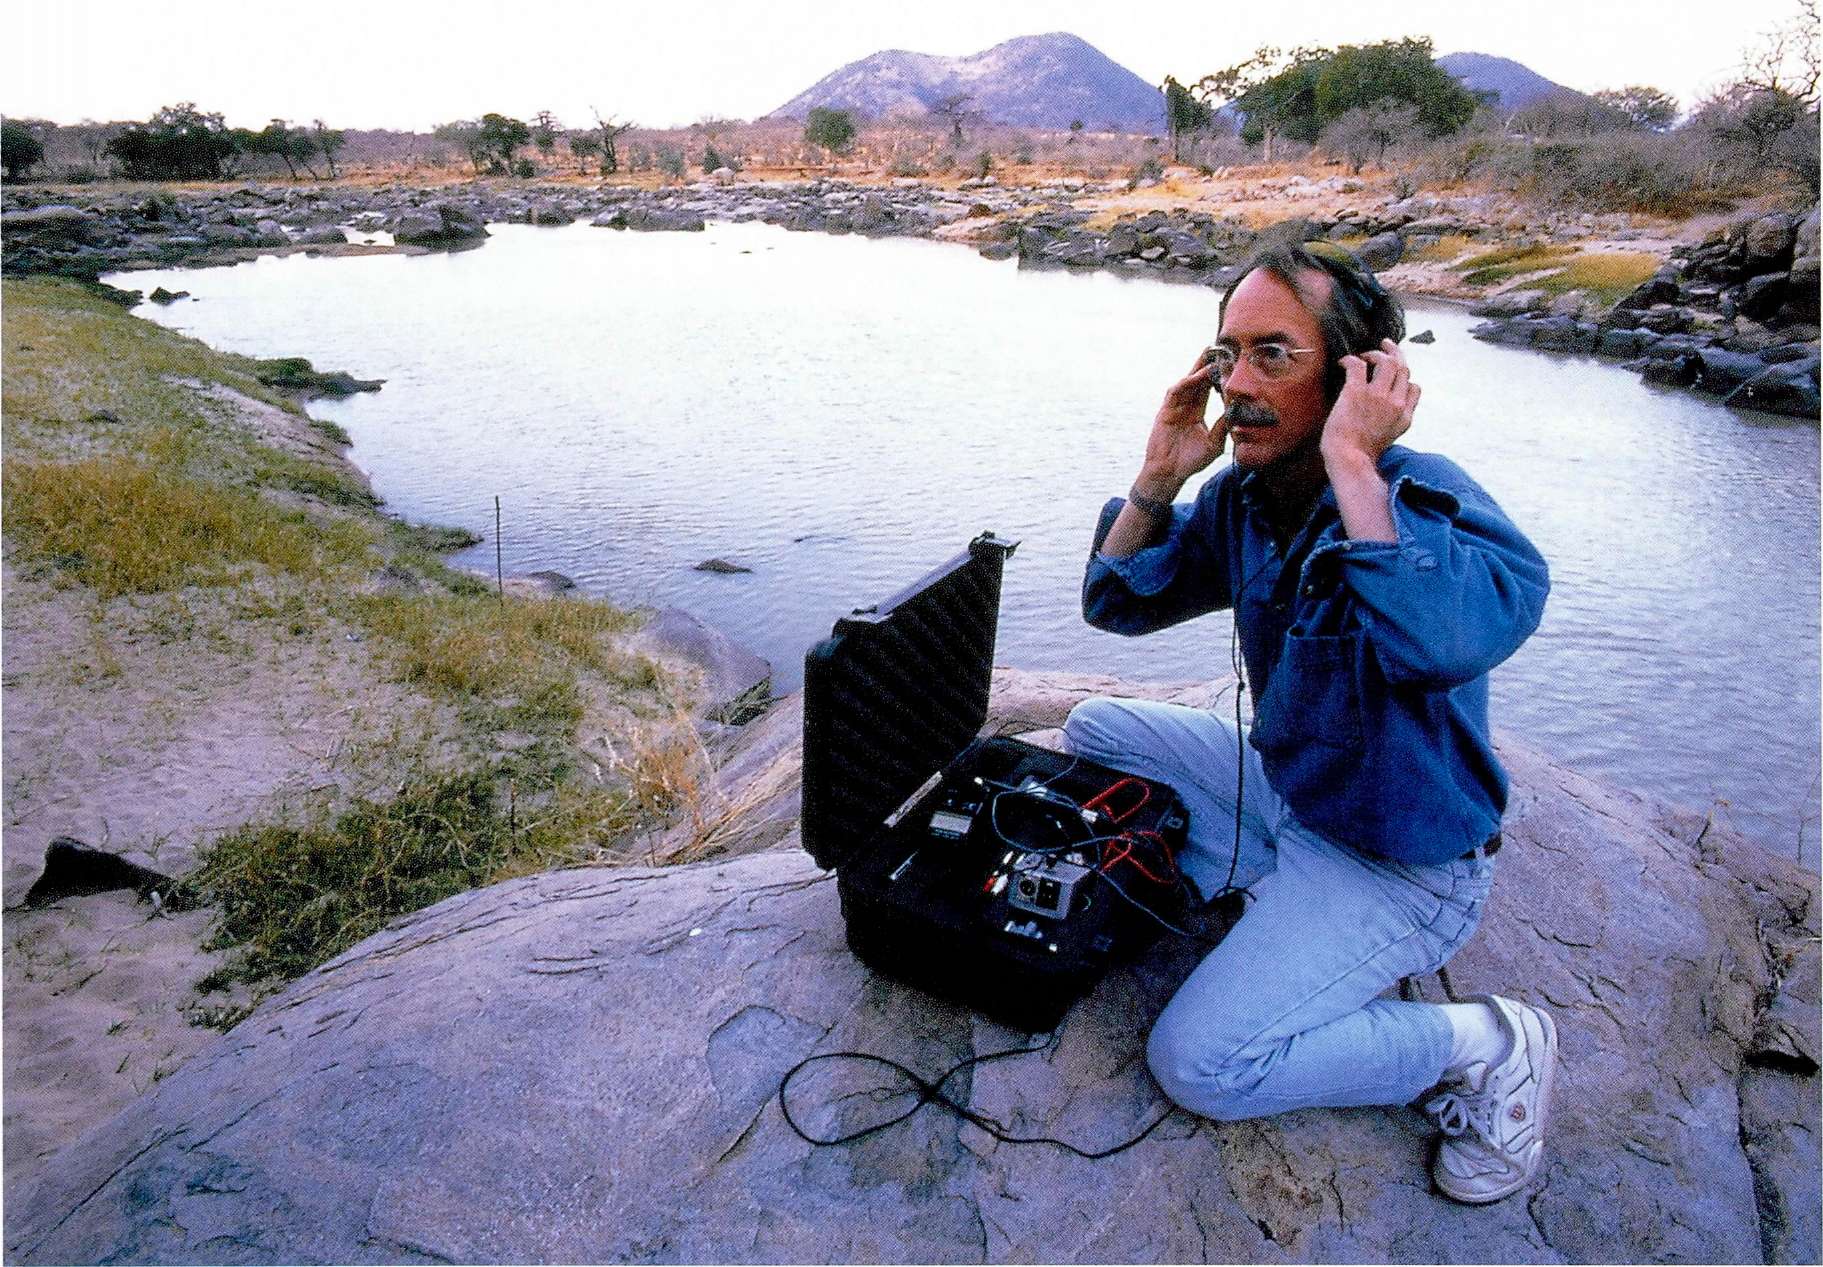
840	414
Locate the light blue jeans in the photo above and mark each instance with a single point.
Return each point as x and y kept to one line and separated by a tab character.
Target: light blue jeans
1285	1013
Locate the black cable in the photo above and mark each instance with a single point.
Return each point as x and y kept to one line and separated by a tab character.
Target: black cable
931	1092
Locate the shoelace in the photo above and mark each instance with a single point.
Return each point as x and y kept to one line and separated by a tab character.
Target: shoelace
1457	1113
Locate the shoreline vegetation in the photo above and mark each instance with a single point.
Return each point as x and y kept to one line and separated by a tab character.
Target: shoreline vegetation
225	663
1723	303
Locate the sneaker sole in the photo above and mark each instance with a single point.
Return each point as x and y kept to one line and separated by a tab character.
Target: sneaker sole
1546	1080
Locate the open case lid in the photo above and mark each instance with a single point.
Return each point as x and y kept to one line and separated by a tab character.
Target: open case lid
894	694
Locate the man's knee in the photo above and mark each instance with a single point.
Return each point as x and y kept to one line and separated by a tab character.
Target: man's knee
1099	726
1196	1076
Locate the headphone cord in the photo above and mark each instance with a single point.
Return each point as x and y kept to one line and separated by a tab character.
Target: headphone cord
931	1092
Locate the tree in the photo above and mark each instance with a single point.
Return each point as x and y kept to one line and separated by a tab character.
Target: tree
1274	91
1787	58
1359	75
1567	114
954	109
330	141
278	139
179	142
465	135
1645	108
584	147
1184	114
545	131
832	130
20	149
609	132
1075	131
1364	133
502	136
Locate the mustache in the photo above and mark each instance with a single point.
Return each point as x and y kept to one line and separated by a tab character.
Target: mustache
1250	413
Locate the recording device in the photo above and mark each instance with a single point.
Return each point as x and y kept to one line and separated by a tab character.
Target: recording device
987	870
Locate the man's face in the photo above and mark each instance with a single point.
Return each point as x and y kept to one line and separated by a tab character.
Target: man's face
1270	419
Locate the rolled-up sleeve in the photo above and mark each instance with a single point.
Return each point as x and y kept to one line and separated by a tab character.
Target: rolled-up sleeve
1455	595
1180	577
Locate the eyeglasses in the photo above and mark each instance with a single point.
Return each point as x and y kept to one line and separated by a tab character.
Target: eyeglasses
1269	360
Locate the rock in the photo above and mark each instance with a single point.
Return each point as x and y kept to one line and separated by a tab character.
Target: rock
1622	343
1760	297
1381	251
597	1052
733	683
1512	331
998	250
1788	388
546	583
162	296
1721	371
1768	241
1804	237
1511	303
440	224
721	565
1292	232
73	869
295	373
323	235
1423	336
55	223
1674	371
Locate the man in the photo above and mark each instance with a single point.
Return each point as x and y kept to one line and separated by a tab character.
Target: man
1373	588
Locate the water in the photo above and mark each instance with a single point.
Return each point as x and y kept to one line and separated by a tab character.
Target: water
841	414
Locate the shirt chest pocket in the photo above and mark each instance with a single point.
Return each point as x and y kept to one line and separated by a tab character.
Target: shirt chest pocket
1314	695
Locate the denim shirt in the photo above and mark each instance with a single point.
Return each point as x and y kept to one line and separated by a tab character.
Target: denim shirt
1367	660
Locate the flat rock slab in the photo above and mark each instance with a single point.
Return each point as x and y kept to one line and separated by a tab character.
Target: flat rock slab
582	1066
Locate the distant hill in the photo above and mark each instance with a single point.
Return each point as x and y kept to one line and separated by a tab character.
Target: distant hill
1035	81
1518	86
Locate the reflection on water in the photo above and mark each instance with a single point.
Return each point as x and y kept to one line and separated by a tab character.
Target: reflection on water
841	414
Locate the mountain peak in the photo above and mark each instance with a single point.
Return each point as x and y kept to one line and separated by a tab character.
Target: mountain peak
1039	81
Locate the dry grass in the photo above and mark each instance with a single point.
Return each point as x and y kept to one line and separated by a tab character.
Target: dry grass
1558	268
122	525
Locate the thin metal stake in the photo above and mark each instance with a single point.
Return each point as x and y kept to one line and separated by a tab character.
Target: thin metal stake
499	572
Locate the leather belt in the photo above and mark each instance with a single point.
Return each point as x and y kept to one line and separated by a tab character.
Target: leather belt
1487	849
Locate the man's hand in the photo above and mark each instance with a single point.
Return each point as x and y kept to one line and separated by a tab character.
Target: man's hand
1182	441
1374	409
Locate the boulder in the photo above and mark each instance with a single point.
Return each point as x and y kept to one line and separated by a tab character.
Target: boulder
732	684
1381	251
440	224
1788	388
585	1065
1768	241
1760	297
323	235
1721	371
57	223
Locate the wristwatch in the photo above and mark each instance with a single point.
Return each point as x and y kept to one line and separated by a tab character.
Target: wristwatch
1151	505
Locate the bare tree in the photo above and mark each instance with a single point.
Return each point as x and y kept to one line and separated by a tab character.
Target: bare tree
1787	59
610	132
954	109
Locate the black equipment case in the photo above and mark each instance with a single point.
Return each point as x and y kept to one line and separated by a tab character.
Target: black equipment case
986	870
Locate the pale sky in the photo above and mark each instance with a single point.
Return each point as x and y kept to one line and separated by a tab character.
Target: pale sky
409	64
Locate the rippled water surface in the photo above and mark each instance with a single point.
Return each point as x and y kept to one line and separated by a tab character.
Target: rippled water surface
841	414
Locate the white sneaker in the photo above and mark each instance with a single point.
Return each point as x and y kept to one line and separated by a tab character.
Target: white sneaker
1493	1117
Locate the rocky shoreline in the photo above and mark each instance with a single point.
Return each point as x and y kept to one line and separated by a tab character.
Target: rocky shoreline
1735	316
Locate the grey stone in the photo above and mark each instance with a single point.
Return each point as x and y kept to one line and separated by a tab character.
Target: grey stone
55	223
323	235
1760	297
1672	371
1621	343
1788	388
583	1066
1768	239
1721	371
1381	251
1424	336
440	224
732	683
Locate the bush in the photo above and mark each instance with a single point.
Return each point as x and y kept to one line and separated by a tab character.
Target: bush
1151	169
20	149
832	130
523	169
671	161
983	164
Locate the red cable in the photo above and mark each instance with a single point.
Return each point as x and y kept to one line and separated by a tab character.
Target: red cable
1099	800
